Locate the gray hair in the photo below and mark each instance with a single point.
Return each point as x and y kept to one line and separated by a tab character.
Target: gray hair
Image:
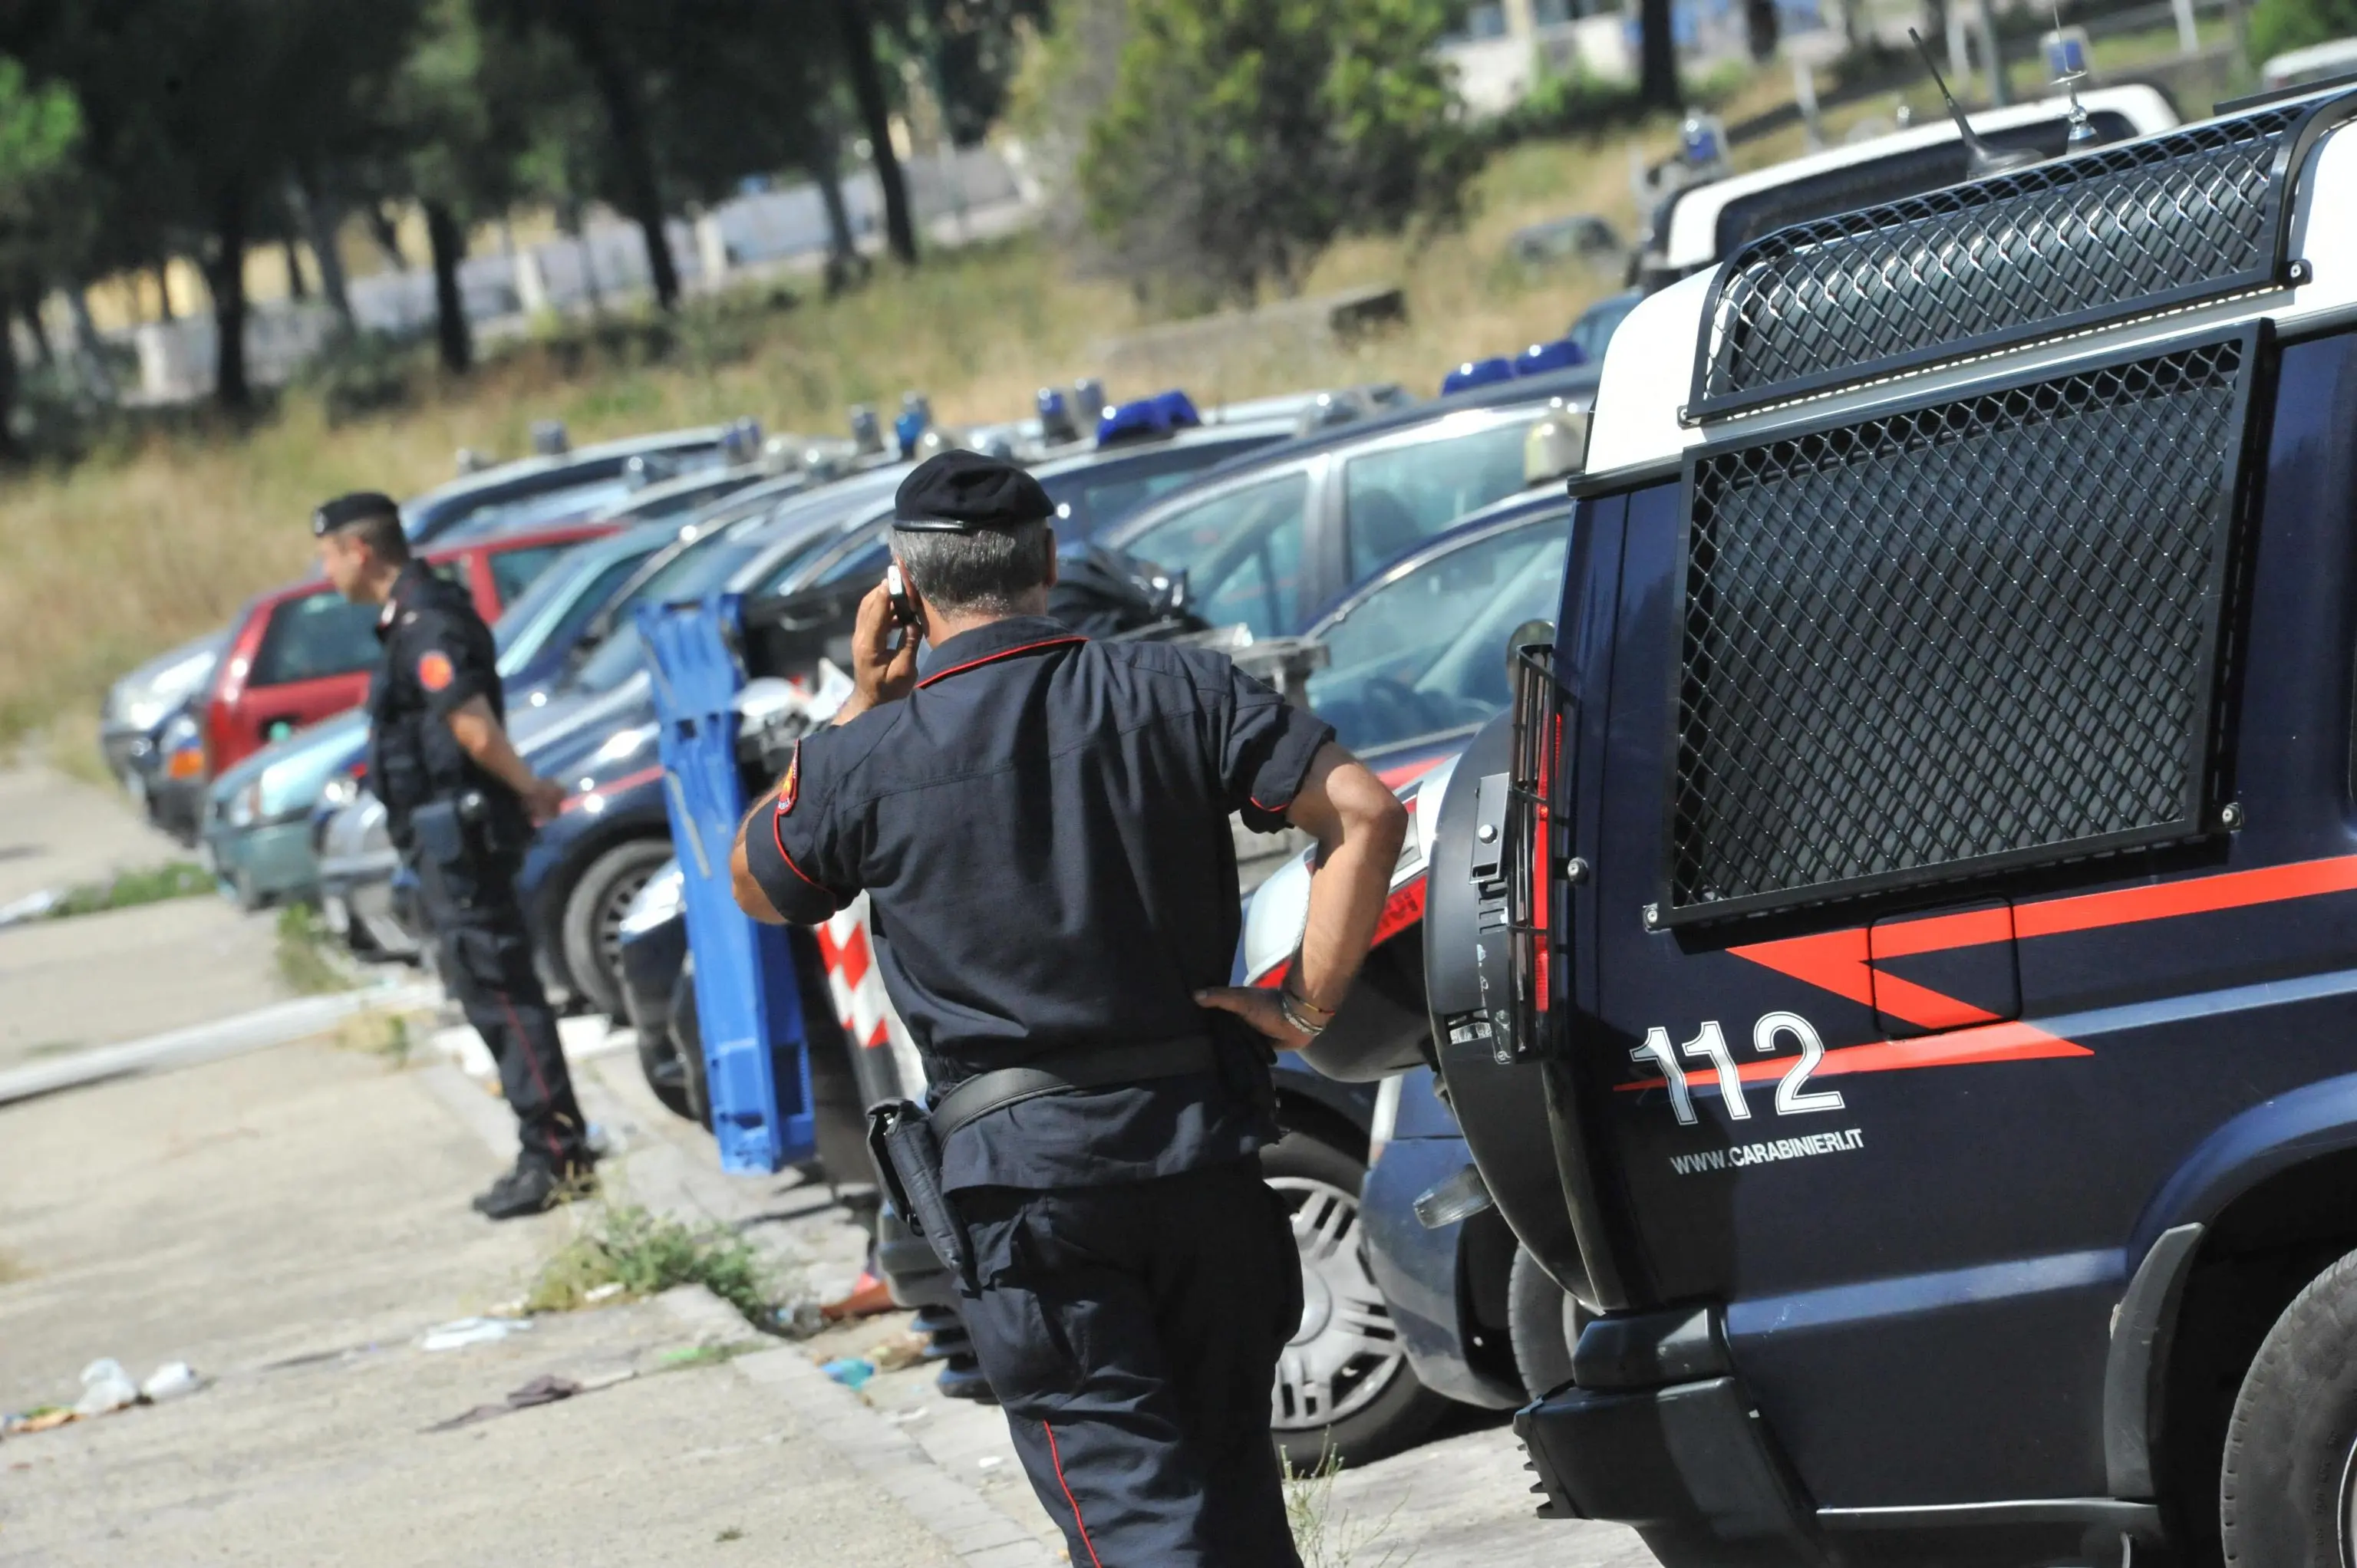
986	572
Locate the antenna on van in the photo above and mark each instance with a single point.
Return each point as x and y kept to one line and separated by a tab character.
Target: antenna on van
1980	159
2083	130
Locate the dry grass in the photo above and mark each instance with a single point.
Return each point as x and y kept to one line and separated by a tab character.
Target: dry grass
136	549
11	1271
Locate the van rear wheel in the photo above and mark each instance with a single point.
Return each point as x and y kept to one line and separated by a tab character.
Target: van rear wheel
2287	1491
1543	1321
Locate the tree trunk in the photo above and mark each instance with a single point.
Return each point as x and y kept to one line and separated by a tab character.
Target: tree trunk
164	288
626	122
450	332
226	276
11	449
296	287
841	248
97	377
868	87
1657	65
44	353
386	233
322	221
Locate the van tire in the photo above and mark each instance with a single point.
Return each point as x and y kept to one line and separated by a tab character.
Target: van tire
1306	1169
593	908
2289	1478
1542	1324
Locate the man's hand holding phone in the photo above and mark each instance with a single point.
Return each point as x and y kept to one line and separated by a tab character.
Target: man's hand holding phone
883	650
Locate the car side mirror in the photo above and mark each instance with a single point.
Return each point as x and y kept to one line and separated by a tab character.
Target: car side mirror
1530	634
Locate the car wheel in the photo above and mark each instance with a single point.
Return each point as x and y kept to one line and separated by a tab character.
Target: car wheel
687	1040
666	1075
2288	1489
1344	1388
593	920
1542	1323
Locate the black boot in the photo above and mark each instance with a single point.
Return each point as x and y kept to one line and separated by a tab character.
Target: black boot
534	1188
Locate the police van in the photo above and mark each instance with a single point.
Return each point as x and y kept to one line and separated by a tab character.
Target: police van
1895	962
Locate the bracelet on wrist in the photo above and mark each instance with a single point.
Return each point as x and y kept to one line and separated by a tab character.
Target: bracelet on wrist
1305	1004
1290	1007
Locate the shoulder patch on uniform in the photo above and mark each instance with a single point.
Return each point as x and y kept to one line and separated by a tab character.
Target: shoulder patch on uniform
433	671
790	790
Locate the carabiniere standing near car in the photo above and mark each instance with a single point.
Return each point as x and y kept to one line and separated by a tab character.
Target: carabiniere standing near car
460	805
1041	825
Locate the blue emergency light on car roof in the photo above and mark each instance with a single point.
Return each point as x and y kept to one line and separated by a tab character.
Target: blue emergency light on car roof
1477	373
1147	418
1540	357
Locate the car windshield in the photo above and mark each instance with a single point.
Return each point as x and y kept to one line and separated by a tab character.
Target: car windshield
1426	653
545	508
1093	495
1597	324
553	612
704	565
1242	553
313	636
1397	497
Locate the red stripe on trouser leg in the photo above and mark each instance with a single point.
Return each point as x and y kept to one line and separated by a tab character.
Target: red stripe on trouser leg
1057	1460
540	1080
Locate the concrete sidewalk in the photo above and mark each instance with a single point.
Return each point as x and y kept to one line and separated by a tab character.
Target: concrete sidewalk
291	1221
97	979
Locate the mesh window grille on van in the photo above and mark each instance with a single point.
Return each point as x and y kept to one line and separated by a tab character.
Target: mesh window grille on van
1965	635
2196	213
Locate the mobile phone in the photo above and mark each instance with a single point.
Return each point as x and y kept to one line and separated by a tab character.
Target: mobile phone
904	608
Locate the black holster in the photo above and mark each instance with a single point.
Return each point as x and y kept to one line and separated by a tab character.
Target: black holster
909	1161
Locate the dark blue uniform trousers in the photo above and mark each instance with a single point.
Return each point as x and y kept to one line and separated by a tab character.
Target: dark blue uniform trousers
485	960
1132	1332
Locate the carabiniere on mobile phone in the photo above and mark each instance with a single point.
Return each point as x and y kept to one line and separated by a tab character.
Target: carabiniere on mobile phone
904	608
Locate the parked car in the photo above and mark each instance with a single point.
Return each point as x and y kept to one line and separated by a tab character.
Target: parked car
257	833
560	719
1267	542
139	709
565	487
302	652
1593	331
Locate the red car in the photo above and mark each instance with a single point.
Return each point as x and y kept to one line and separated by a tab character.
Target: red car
301	653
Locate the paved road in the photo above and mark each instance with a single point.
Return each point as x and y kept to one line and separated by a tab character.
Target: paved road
97	979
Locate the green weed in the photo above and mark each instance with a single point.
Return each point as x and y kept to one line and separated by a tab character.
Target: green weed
129	889
1327	1537
303	954
647	1253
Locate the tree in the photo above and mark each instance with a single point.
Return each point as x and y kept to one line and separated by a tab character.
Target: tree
855	38
2277	26
195	110
1244	136
1657	55
40	131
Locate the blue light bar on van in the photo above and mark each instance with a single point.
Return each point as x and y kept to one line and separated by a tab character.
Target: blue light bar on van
1148	417
1477	373
1540	357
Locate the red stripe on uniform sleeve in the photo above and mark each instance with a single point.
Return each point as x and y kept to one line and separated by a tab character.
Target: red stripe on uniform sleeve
777	837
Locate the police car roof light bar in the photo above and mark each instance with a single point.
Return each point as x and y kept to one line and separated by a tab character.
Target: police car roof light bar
1477	373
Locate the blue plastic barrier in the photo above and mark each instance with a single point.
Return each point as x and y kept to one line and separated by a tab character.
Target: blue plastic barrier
748	1004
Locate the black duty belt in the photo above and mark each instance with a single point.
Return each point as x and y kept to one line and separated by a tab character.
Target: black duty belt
1103	1067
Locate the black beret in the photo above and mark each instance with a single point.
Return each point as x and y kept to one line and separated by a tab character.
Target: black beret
962	492
358	507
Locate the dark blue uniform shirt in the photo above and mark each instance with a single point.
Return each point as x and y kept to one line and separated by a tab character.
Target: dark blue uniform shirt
1041	827
438	656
